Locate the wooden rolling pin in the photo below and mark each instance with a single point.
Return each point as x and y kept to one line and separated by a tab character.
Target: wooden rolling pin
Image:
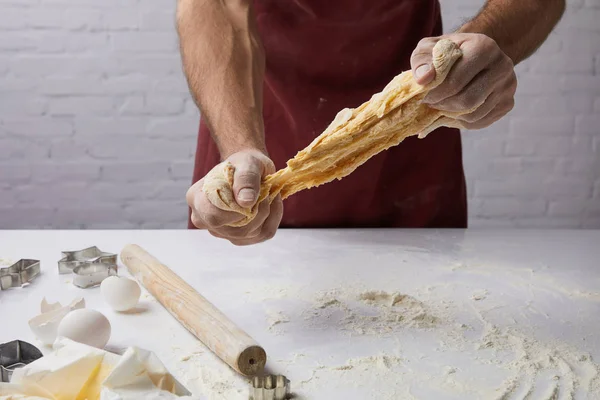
196	313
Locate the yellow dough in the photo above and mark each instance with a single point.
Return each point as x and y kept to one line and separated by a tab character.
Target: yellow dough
354	136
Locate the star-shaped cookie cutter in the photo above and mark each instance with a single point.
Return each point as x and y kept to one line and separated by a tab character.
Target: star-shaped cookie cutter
270	387
18	274
91	255
16	354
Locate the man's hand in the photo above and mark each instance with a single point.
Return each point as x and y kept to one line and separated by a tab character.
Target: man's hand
484	75
250	167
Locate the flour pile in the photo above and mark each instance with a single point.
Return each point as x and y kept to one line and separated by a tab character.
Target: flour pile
371	312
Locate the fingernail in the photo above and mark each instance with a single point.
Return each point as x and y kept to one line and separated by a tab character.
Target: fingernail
247	195
422	70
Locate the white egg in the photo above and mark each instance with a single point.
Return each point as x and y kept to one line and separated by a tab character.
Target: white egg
86	326
120	293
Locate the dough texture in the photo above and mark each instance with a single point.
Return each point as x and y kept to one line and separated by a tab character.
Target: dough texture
354	136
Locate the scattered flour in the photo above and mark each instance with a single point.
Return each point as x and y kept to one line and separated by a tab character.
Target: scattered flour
275	320
5	262
370	312
535	369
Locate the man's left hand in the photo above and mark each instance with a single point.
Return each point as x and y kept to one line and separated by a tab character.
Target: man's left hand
483	75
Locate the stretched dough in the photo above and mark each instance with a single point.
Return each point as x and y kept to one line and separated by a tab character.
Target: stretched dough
354	136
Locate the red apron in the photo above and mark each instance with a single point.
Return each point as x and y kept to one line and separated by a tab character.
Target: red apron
322	56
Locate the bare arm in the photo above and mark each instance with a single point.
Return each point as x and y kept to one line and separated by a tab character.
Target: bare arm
519	27
223	60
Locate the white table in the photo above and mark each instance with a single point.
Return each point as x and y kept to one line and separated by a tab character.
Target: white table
488	313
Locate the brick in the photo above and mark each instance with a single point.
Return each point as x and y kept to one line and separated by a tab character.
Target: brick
15	173
542	84
184	126
495	223
13	18
158	20
554	106
146	212
587	18
172	84
181	170
191	109
502	188
21	104
154	65
86	217
61	65
141	42
128	84
139	148
121	20
575	63
68	149
131	106
556	126
16	41
164	105
578	84
11	84
56	195
515	208
587	125
567	208
21	149
17	217
51	172
45	18
70	86
48	127
573	187
547	223
135	172
109	126
104	4
78	19
578	166
84	105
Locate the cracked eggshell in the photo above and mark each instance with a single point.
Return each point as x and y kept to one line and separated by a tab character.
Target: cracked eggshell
86	326
120	293
45	325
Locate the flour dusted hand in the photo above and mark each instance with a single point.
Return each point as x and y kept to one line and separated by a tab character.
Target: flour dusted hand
351	139
226	201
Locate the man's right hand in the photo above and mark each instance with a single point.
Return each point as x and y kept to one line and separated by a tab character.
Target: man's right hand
250	167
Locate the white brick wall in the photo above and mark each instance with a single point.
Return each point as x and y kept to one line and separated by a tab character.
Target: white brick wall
97	129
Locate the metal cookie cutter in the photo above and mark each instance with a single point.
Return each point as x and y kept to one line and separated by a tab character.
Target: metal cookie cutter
270	387
72	259
16	354
91	274
18	274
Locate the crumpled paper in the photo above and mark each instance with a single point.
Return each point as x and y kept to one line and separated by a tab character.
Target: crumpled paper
74	371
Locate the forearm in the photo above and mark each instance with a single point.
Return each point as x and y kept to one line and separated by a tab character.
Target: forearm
519	27
223	61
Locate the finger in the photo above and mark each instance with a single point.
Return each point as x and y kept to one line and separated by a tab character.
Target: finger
211	217
474	94
502	94
247	231
483	110
246	181
478	54
421	61
497	113
269	228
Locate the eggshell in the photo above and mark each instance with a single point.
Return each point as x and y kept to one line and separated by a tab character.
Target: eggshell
45	325
120	293
86	326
